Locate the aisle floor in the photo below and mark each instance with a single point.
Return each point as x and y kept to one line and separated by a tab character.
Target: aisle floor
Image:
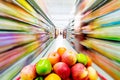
60	42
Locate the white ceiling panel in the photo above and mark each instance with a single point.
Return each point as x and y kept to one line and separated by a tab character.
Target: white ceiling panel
60	11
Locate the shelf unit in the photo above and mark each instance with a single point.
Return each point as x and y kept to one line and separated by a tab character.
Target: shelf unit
25	31
98	33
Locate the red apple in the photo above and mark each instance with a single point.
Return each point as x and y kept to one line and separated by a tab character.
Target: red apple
69	57
28	72
86	78
68	79
54	57
62	70
92	74
79	72
18	78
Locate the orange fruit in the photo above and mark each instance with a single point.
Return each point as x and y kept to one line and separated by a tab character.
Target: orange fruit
61	50
54	57
89	63
52	76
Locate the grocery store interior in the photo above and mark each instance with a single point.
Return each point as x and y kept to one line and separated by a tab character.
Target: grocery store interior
36	30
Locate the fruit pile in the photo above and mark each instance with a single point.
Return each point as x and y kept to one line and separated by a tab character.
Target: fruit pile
61	65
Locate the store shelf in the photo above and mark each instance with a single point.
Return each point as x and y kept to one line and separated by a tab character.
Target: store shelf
13	70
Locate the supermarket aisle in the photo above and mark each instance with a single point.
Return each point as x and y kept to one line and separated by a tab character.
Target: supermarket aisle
27	30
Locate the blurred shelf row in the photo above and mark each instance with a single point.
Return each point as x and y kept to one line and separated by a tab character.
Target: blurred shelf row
95	30
25	31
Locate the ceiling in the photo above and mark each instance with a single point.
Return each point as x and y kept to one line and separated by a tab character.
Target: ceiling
60	11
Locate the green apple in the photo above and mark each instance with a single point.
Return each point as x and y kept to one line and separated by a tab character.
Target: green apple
39	78
82	58
43	67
